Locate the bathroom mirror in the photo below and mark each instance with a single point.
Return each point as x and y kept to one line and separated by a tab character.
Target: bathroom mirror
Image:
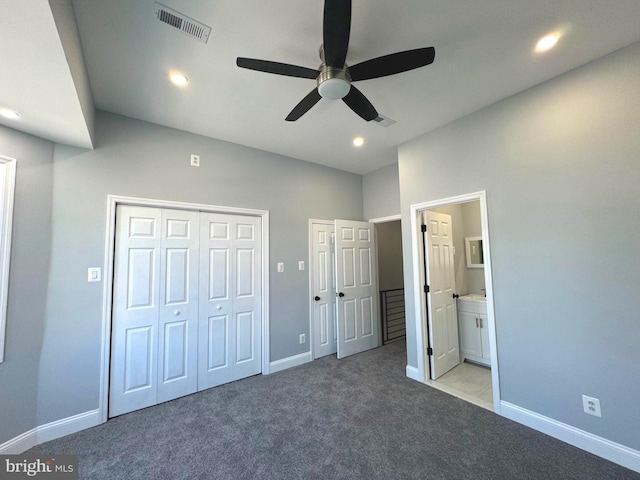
475	258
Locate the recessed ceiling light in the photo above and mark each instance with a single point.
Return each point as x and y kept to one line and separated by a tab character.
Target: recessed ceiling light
179	79
5	112
547	42
358	141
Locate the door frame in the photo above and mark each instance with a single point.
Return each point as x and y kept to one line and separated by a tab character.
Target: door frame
420	306
107	294
376	221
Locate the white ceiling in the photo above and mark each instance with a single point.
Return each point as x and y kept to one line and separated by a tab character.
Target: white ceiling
484	53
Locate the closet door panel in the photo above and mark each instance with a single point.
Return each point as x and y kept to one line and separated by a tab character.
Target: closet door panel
136	301
178	313
230	349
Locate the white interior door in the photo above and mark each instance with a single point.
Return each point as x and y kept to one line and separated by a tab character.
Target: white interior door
230	329
357	287
155	315
441	306
323	289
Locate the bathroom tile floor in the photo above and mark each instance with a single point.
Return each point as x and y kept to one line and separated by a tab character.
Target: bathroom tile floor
472	380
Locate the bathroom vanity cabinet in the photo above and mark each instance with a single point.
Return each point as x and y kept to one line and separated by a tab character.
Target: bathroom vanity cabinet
474	336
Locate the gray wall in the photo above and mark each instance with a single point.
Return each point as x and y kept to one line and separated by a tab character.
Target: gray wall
29	268
561	167
381	192
389	245
140	159
472	227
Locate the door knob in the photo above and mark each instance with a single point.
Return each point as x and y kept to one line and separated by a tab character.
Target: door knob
218	307
176	312
316	298
341	294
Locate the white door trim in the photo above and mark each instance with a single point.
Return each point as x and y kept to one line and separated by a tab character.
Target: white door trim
112	202
389	218
418	281
7	193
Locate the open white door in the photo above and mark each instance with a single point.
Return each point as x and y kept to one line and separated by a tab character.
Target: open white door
441	305
357	287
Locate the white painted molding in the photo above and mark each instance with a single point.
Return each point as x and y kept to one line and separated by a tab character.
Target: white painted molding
289	362
21	443
50	431
614	452
7	191
390	218
414	374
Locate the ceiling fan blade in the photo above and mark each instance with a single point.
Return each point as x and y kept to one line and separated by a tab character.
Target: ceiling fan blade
392	64
335	31
304	106
277	68
359	104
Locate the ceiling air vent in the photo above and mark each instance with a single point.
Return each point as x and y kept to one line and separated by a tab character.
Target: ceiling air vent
384	121
183	23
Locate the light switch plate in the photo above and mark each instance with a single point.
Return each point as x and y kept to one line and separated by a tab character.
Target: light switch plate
301	265
94	274
280	267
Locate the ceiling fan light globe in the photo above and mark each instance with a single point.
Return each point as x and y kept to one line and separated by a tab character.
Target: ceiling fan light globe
334	88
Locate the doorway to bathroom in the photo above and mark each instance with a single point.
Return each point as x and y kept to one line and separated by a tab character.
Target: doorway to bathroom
453	296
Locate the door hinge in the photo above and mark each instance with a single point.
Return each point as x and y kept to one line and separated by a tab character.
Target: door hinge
429	351
423	228
426	289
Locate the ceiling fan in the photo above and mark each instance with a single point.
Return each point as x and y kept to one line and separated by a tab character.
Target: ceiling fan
334	76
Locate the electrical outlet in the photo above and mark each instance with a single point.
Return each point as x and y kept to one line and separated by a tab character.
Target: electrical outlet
591	406
195	160
302	338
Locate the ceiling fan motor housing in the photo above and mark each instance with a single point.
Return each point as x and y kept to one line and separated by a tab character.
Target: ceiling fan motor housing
333	83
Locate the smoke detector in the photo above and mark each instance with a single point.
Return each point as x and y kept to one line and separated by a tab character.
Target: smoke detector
185	24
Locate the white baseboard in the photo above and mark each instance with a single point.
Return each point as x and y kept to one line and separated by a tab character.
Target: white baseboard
414	374
614	452
50	431
289	362
21	443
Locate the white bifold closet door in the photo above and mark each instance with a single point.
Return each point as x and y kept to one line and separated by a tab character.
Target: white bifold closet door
230	332
155	308
187	298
